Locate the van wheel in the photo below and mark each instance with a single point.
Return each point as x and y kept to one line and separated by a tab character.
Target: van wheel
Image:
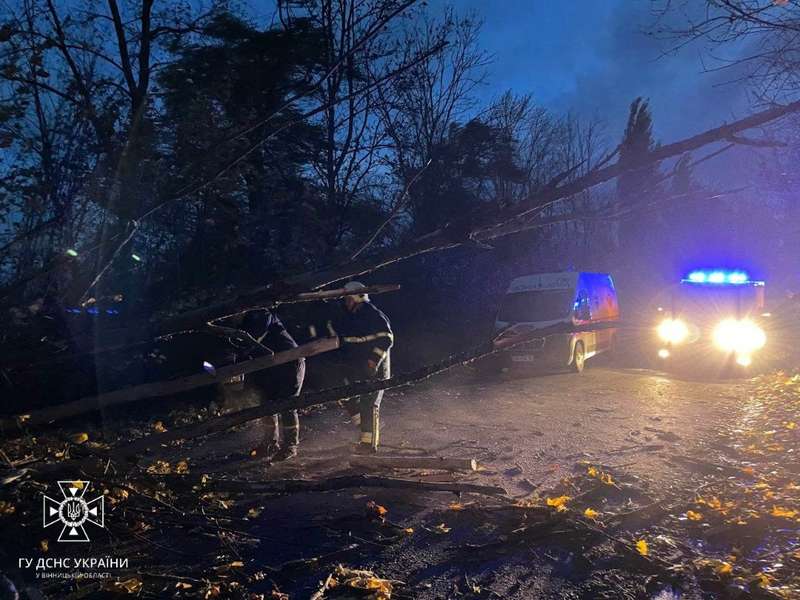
578	358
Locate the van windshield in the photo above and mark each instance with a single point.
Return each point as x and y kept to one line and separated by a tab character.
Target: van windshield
714	302
539	305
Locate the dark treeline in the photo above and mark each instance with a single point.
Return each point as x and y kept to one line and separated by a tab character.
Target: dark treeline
159	155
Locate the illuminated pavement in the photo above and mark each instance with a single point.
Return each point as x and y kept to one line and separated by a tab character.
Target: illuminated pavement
528	431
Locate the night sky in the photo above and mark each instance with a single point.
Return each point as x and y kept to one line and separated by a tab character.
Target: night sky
593	57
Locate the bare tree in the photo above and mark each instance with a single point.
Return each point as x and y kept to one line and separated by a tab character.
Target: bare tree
757	41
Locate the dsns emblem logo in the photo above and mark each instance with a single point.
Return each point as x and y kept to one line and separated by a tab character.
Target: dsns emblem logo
73	511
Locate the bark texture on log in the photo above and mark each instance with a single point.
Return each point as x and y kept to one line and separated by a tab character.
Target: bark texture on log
442	463
182	384
287	486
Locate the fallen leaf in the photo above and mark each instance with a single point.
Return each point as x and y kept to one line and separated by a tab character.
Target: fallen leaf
79	438
762	579
590	514
376	509
159	467
642	547
780	511
607	479
44	545
131	586
456	506
182	467
441	528
159	427
559	502
693	516
724	568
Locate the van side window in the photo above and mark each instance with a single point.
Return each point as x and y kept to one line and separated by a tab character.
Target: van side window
582	312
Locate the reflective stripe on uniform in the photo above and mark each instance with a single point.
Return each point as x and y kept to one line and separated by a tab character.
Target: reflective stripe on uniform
369	338
379	351
312	331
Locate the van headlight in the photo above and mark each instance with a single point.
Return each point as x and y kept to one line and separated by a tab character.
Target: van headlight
741	337
673	331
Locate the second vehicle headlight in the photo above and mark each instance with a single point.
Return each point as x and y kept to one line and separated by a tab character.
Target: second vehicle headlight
742	337
673	331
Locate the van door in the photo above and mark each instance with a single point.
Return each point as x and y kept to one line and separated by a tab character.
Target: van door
583	316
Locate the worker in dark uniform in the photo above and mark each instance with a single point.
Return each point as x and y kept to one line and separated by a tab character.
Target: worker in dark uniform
278	382
366	339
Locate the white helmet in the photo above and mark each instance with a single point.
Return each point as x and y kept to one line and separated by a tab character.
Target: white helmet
356	287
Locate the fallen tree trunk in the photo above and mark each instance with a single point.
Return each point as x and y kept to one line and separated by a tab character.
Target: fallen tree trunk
287	486
479	229
173	386
122	338
306	400
441	463
491	225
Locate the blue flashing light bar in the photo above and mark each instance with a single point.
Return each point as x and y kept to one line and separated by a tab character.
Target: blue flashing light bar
719	277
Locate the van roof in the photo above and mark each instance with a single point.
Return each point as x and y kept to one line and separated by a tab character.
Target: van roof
563	280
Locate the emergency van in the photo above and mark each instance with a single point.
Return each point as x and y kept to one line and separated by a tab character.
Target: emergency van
712	314
572	298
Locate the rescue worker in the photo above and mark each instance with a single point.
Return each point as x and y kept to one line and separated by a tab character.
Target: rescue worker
366	339
278	382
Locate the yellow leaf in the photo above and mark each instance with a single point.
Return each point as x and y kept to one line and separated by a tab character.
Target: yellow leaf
77	484
693	516
44	545
79	438
559	502
790	425
590	513
592	472
182	467
408	530
456	506
254	512
642	547
379	510
606	478
441	528
779	511
723	568
131	586
720	567
762	579
160	467
158	426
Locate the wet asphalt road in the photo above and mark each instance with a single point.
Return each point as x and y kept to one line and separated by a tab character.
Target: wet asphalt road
528	430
